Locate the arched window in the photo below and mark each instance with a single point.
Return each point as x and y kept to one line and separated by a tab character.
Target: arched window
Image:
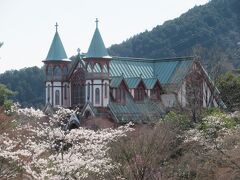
65	91
65	70
118	95
141	93
137	94
48	93
82	93
97	96
49	70
106	90
57	98
57	71
88	91
123	96
155	93
77	94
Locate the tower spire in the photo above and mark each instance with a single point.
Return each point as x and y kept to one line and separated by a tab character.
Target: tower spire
56	51
97	48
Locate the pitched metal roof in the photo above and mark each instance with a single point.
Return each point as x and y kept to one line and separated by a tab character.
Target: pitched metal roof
133	82
145	111
180	72
97	48
150	82
116	81
167	71
131	68
56	51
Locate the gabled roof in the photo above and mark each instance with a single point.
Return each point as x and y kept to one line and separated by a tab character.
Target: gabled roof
56	51
116	81
75	61
133	82
97	48
150	82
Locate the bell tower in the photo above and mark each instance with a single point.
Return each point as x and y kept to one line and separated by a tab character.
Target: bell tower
97	64
56	71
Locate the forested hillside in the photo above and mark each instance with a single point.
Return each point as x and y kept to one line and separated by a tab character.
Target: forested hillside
28	83
209	29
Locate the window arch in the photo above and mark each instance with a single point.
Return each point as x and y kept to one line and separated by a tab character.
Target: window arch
97	96
106	90
65	70
57	97
88	90
65	91
48	92
57	71
49	70
139	94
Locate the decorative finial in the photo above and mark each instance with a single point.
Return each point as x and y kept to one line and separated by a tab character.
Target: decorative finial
56	25
78	50
96	21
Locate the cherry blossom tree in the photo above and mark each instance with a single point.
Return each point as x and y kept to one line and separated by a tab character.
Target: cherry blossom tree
43	149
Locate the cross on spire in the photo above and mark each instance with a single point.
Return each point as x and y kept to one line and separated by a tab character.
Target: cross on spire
96	21
78	50
56	25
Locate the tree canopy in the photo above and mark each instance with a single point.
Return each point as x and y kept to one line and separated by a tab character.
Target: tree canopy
229	86
28	83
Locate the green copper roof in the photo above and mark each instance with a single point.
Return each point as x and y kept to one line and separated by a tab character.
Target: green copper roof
141	111
116	81
150	82
56	51
97	48
133	82
167	71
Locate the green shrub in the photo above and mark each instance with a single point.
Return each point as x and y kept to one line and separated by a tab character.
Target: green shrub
211	111
180	118
7	105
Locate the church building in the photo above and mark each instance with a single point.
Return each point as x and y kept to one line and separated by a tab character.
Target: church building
124	88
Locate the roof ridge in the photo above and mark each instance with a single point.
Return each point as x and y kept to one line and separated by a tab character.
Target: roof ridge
150	78
180	58
132	77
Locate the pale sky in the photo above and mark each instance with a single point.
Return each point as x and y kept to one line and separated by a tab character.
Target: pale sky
27	26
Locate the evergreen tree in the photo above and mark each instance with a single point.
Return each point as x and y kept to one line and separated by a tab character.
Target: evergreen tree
5	94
